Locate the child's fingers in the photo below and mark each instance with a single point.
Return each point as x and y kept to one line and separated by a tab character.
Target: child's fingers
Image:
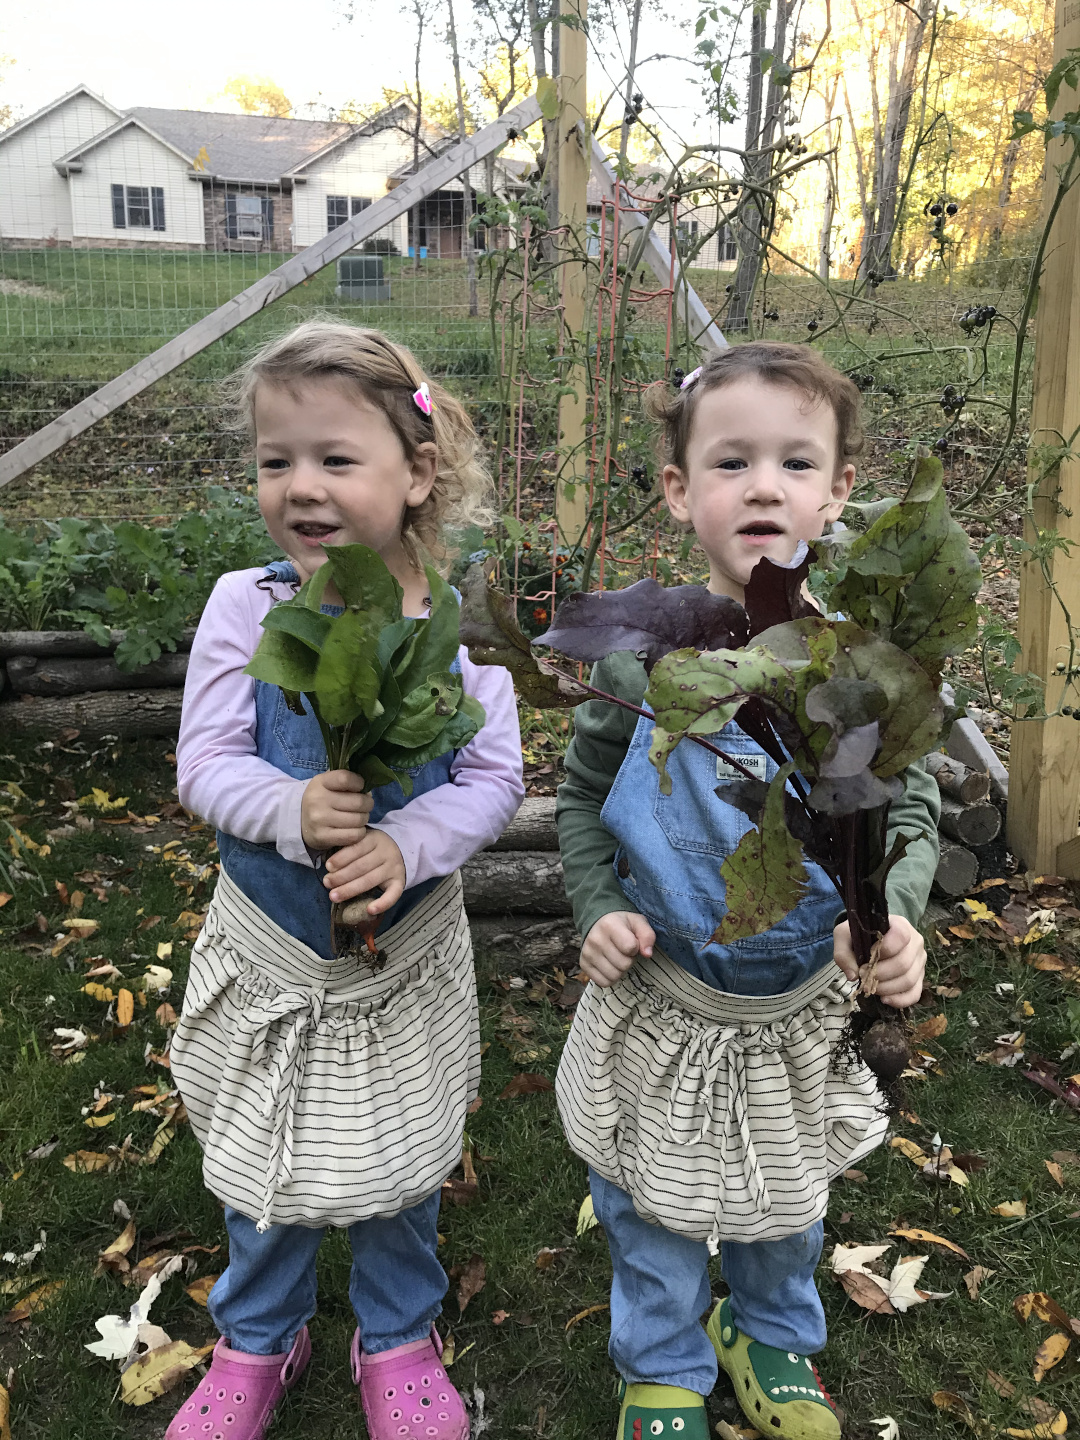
843	954
644	936
361	844
603	969
899	935
392	892
359	879
343	782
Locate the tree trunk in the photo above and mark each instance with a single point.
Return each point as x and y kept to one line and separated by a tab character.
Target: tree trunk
631	68
56	643
828	211
532	828
466	181
417	122
764	111
101	712
32	675
519	882
877	242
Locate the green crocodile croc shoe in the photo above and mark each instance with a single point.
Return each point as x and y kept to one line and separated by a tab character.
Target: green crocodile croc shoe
667	1410
779	1391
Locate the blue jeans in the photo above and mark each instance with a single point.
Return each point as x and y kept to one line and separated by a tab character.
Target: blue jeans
268	1291
660	1290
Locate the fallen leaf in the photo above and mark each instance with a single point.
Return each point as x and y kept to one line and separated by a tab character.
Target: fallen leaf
4	898
35	1301
109	969
975	1277
459	1192
1010	1209
1050	1353
930	1029
149	922
119	1336
909	1150
856	1257
963	932
980	913
5	1399
586	1217
1065	1157
1046	1308
97	1122
1056	1173
471	1278
546	1257
84	1162
81	927
156	1372
1048	962
113	1257
581	1314
44	1150
164	950
71	1040
927	1237
99	992
858	1177
867	1291
946	1400
498	1316
199	1290
1005	1388
890	1430
528	1084
165	1015
157	977
125	1008
163	1136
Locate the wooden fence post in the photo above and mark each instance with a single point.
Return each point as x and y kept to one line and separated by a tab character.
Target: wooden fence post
573	159
1044	789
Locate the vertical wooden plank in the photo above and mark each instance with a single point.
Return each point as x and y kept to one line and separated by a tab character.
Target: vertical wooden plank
574	154
1044	789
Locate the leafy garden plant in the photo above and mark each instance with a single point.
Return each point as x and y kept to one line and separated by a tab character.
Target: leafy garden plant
842	705
379	683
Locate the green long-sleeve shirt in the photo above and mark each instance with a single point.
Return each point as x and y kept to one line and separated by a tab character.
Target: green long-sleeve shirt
602	735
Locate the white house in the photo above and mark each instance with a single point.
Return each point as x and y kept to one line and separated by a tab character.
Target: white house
701	237
81	172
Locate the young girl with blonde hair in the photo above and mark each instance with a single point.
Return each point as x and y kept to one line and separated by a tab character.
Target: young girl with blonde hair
324	1092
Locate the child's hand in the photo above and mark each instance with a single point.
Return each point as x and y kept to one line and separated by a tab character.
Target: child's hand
612	943
334	810
901	961
374	861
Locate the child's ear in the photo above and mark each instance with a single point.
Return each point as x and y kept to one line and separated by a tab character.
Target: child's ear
840	492
423	468
675	488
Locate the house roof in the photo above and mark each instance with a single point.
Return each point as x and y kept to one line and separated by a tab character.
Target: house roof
55	105
254	149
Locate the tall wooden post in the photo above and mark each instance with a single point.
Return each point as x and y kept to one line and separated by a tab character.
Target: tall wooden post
1044	781
573	155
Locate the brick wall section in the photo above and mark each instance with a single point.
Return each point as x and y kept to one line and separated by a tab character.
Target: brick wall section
214	215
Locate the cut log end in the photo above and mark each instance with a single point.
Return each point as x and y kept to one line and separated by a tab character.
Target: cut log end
969	824
958	780
957	870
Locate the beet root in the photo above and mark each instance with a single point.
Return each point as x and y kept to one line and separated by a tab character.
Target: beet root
885	1049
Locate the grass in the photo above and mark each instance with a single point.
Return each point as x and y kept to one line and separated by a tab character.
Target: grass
537	1378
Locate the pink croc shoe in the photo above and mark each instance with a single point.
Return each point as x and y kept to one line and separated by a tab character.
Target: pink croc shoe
406	1394
237	1398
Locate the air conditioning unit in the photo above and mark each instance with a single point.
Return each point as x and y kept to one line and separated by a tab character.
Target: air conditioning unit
361	277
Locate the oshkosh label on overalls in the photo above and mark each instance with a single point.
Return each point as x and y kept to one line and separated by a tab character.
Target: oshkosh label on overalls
754	763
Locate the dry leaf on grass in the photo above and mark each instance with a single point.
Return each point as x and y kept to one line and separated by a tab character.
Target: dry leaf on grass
975	1277
1005	1388
164	949
97	1122
586	1216
119	1336
581	1315
1044	1307
1050	1353
114	1257
1056	1173
946	1400
84	1162
471	1278
498	1316
156	1372
927	1237
165	1015
883	1296
199	1290
5	1399
546	1257
930	1029
527	1084
125	1008
1048	1421
1010	1209
35	1301
889	1430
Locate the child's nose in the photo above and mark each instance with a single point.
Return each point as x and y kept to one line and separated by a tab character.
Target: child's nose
307	481
765	484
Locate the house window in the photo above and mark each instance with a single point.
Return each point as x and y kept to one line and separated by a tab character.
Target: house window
727	247
249	217
340	208
140	207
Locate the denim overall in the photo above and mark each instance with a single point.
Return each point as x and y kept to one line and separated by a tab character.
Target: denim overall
670	849
294	896
397	1283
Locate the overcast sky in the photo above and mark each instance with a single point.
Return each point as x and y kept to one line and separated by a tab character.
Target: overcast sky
146	52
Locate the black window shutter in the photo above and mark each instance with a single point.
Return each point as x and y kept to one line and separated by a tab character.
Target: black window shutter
119	216
268	218
157	206
230	217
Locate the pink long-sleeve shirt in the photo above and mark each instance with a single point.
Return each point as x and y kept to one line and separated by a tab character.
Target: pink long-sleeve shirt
220	776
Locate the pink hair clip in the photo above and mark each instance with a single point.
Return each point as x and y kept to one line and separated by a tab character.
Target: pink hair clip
422	398
691	378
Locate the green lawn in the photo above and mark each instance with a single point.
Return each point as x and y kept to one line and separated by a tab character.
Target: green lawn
537	1378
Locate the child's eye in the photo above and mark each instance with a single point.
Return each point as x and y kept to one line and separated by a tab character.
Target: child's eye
731	463
337	461
798	465
273	465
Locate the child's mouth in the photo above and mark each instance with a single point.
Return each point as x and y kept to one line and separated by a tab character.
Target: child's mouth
760	532
311	532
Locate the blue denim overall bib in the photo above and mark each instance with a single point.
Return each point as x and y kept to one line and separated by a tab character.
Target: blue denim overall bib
670	849
293	895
